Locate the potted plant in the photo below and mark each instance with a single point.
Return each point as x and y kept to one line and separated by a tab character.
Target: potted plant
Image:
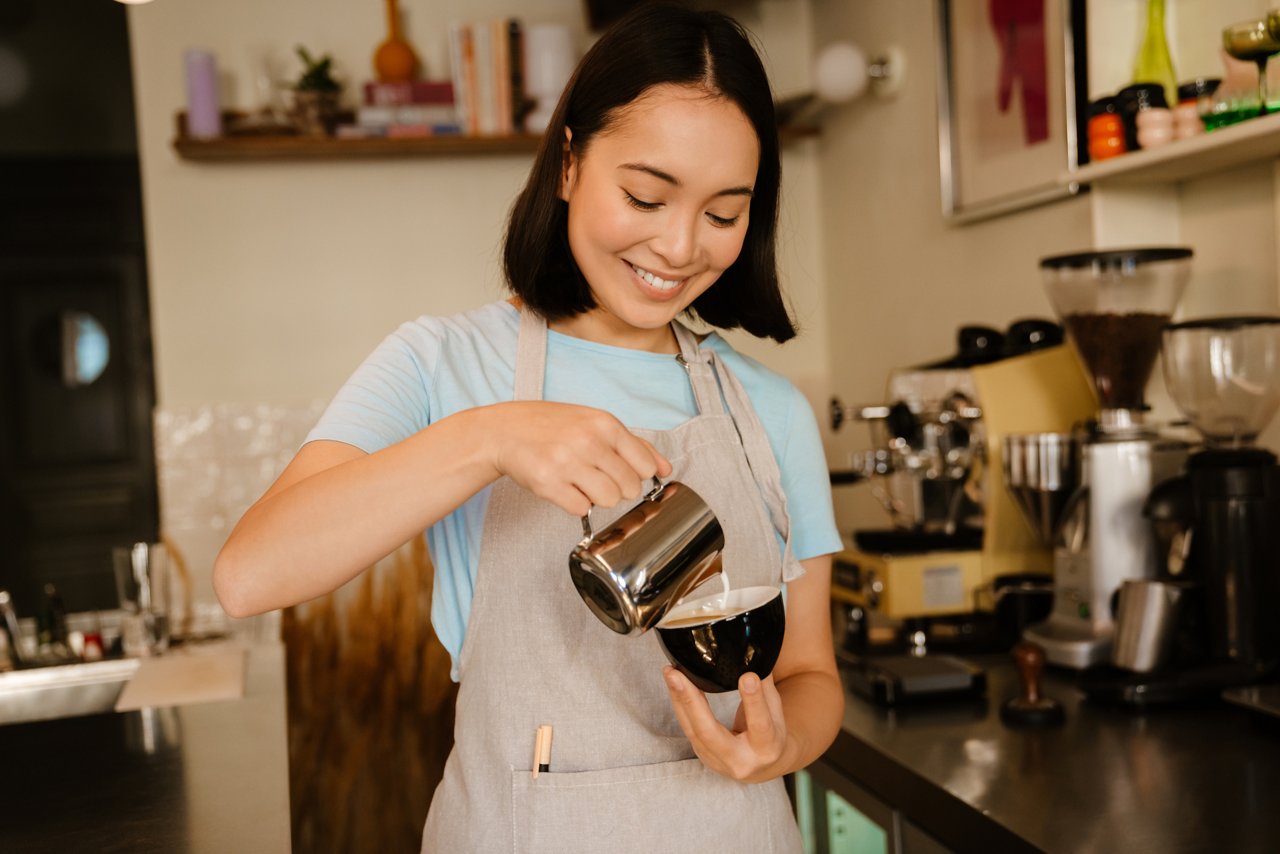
316	95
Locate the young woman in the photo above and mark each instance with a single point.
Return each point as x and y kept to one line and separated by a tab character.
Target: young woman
654	194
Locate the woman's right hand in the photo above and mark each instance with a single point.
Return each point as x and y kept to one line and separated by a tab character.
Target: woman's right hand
574	456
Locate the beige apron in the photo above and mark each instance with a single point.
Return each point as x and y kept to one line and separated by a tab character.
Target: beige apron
623	776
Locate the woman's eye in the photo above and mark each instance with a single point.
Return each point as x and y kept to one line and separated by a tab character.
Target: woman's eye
639	204
642	205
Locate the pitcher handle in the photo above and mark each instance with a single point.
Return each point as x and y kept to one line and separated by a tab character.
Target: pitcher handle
651	495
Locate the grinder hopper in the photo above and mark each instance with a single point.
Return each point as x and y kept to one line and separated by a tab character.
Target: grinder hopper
1114	304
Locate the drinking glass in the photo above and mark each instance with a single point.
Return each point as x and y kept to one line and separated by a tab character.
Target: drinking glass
1256	42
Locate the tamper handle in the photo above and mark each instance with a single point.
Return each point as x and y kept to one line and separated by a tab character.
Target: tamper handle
1029	658
1031	708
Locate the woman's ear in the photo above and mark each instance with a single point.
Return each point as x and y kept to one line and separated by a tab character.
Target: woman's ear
569	169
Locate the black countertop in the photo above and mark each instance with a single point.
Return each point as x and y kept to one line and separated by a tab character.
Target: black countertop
207	777
1111	779
214	776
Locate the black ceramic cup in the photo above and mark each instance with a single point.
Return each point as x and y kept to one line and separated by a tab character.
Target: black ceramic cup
713	640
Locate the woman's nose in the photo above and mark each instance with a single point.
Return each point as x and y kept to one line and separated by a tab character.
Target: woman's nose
677	243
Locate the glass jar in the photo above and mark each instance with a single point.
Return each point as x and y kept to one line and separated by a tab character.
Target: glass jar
1147	117
1106	129
1195	99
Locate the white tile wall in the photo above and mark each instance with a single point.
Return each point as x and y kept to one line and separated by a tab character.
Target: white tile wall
212	463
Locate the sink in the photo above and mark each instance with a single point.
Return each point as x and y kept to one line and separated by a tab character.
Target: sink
63	691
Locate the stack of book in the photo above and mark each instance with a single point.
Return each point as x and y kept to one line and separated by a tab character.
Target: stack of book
401	110
488	76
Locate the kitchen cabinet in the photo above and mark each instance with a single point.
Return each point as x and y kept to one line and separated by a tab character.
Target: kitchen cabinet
838	816
832	824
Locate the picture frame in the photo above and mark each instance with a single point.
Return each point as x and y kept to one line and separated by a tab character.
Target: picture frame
1012	103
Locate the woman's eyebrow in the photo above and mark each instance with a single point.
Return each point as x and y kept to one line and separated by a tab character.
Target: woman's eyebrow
675	182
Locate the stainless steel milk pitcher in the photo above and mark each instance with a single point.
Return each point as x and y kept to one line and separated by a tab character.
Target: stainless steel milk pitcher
653	556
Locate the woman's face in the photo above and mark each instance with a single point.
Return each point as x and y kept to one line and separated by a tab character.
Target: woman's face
658	208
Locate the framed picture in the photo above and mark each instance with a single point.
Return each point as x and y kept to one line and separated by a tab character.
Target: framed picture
1012	99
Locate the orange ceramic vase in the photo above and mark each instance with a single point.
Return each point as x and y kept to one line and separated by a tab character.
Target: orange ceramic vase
394	61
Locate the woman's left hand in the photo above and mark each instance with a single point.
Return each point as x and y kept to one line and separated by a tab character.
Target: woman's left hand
750	750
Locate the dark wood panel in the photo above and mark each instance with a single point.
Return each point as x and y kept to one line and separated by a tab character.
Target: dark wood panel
370	710
77	467
70	207
77	464
89	508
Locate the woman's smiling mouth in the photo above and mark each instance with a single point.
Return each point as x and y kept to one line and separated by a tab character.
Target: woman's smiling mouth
654	281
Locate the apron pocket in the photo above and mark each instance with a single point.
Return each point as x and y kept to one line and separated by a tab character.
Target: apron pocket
678	806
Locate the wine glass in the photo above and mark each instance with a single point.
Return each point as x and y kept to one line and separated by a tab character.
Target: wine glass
1255	41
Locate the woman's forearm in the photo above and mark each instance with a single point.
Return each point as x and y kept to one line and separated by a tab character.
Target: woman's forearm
813	708
309	535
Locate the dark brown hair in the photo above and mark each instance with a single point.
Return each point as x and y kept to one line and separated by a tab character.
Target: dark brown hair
655	44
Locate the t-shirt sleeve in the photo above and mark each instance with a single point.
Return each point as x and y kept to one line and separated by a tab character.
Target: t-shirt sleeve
387	399
807	483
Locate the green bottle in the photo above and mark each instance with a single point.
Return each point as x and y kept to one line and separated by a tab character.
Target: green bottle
1153	63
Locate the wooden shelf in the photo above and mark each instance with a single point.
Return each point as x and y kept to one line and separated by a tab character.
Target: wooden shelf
247	148
326	148
1237	145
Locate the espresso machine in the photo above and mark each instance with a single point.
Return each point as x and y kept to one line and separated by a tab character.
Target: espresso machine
1114	304
934	467
1221	517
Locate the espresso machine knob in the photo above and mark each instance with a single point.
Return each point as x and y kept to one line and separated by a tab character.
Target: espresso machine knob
875	587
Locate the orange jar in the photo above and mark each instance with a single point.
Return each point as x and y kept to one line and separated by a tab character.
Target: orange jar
1106	130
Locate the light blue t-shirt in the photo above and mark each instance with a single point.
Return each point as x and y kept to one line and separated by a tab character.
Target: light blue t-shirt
435	366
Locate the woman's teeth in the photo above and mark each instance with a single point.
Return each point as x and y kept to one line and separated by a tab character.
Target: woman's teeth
660	284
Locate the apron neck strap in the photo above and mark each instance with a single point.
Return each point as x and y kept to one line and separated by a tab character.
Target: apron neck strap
531	356
702	375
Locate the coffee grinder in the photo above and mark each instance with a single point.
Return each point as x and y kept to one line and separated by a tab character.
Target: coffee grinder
1114	304
1224	376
